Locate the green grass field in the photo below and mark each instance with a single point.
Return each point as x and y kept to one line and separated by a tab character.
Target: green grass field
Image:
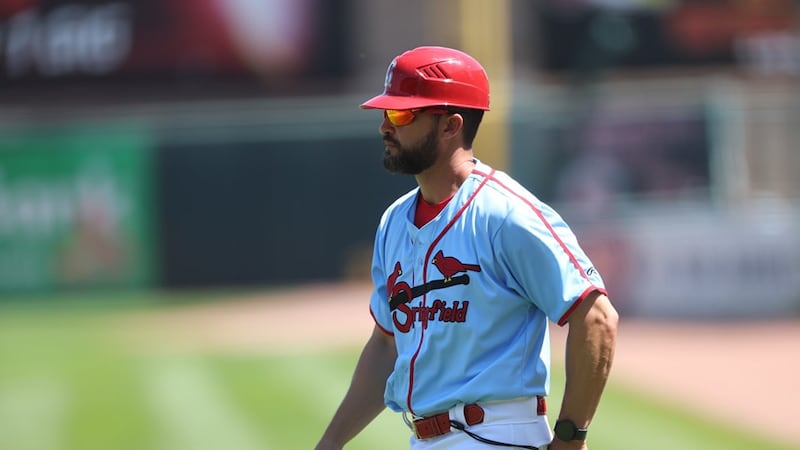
68	381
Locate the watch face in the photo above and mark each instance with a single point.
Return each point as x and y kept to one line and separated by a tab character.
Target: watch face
565	430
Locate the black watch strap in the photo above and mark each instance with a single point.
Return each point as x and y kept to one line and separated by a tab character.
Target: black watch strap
566	430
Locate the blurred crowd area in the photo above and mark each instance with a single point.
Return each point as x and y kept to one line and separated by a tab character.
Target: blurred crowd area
217	143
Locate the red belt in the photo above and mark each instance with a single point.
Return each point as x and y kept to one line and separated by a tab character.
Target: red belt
432	426
439	424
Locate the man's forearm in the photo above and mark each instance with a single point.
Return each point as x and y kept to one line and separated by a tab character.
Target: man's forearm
364	398
590	351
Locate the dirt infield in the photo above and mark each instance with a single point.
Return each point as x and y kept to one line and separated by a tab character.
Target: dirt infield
744	373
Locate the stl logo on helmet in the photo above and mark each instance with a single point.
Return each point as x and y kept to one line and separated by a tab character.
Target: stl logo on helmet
389	72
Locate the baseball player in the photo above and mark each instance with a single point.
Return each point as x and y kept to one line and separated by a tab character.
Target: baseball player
468	270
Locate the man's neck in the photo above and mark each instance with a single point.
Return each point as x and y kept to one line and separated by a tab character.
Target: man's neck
443	179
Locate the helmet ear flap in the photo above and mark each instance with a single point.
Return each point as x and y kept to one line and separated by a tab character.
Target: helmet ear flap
433	76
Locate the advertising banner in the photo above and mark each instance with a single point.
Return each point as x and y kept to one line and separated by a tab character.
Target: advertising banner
75	208
707	263
167	40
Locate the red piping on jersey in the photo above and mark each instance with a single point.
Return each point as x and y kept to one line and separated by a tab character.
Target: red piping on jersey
447	227
563	320
572	258
384	330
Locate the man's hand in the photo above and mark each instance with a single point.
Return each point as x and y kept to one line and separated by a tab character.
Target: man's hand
558	444
327	446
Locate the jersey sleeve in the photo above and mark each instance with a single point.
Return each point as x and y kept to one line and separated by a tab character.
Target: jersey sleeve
543	261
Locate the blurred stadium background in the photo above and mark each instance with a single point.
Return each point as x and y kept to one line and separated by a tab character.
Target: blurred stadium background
158	152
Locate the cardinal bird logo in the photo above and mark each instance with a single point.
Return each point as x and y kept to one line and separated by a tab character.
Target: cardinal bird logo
395	288
390	282
450	266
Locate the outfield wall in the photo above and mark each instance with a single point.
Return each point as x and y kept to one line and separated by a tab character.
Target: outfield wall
266	192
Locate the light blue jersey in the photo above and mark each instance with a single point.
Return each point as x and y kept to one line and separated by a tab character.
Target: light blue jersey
468	296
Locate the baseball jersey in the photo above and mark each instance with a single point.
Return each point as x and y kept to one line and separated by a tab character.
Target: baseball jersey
468	296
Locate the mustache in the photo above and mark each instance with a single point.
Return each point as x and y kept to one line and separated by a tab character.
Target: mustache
390	140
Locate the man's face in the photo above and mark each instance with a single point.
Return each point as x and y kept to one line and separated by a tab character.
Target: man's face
412	158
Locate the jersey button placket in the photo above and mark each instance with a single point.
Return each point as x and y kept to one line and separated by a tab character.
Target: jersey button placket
420	248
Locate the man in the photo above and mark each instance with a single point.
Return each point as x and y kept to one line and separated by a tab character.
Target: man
468	269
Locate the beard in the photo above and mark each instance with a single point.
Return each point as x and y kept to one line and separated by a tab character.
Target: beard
411	160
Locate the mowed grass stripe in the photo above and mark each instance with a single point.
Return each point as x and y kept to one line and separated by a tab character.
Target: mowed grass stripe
108	408
325	380
193	411
32	414
296	395
285	392
92	383
34	395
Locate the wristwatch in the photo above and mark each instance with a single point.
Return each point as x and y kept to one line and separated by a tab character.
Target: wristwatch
566	430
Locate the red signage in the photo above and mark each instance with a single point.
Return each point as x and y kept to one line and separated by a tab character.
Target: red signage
54	39
702	28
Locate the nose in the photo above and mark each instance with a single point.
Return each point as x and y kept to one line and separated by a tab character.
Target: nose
386	127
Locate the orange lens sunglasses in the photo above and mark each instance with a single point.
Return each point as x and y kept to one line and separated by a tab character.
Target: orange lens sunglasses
401	117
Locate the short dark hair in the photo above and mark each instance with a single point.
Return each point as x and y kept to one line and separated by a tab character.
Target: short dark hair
472	119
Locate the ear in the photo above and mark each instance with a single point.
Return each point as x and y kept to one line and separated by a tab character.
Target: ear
452	126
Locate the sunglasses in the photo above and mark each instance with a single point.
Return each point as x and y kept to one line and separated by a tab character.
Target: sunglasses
401	117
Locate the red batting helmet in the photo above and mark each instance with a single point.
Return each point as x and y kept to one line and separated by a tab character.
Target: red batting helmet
433	76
